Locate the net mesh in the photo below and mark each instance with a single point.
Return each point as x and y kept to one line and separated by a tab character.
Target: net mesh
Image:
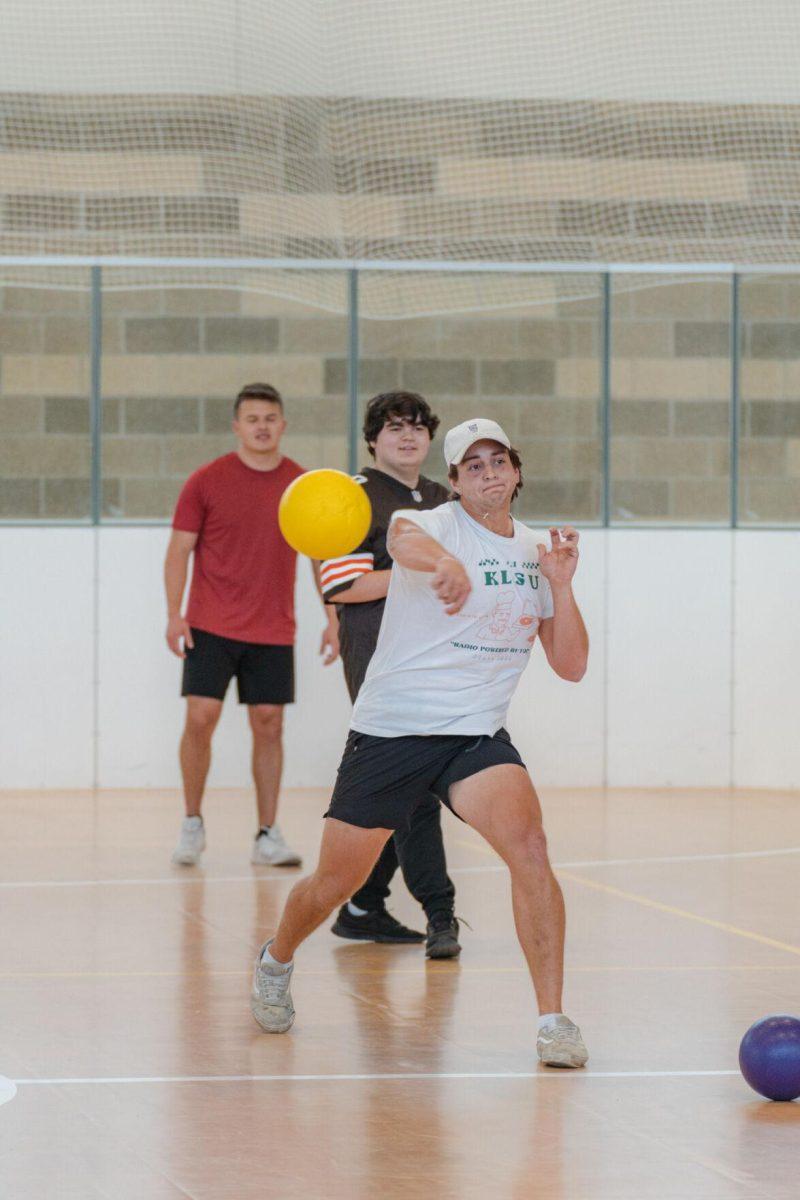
456	132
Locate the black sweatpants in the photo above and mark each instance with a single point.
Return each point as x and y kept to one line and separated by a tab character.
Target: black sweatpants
417	848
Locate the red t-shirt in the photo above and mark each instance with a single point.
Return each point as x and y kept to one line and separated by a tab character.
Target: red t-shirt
244	571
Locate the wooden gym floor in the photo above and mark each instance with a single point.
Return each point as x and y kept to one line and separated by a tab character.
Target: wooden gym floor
140	1074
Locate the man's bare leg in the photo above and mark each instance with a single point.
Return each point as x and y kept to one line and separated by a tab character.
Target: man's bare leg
266	723
502	805
202	716
347	855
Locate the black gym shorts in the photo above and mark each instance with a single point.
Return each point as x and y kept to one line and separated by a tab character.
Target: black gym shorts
264	674
381	780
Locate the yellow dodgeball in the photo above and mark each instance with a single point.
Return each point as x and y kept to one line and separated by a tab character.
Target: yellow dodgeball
324	514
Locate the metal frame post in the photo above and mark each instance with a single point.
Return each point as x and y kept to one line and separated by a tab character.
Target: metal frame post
736	353
605	399
95	395
352	373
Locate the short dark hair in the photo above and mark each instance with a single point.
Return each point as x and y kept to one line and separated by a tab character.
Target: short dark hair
408	405
516	462
258	391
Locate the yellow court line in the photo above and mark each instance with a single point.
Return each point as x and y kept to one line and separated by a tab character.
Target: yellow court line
680	912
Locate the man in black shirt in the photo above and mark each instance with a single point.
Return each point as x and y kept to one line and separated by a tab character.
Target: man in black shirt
398	430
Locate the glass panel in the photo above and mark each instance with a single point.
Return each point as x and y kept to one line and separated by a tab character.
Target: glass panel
769	491
45	442
180	354
520	349
670	410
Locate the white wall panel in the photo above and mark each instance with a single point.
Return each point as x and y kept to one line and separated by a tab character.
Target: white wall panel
316	726
666	668
558	727
46	657
767	659
669	658
139	680
141	713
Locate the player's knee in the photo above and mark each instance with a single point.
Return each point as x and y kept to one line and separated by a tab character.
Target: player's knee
201	719
266	723
528	851
333	888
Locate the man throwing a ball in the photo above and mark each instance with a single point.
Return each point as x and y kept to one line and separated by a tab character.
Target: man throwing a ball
471	592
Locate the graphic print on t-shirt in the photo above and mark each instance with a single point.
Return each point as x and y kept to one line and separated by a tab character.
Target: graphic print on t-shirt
510	614
503	600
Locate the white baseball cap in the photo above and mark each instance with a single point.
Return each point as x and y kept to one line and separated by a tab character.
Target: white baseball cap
458	440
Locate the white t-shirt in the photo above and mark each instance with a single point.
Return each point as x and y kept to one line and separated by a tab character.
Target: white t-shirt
437	674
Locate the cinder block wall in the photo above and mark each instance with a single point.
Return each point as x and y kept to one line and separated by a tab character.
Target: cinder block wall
298	177
303	176
173	359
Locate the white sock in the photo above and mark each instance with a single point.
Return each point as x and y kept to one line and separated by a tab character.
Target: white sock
196	821
548	1019
355	911
269	961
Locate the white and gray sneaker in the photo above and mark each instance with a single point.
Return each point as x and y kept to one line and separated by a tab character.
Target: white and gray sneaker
191	843
270	999
270	850
560	1044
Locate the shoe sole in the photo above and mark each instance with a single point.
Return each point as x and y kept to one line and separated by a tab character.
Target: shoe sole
384	939
288	862
270	1028
443	952
186	860
566	1063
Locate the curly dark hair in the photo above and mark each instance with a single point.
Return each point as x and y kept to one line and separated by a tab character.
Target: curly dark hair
408	405
516	462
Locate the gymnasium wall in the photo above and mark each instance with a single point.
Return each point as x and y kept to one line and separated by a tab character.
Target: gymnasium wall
173	358
692	682
684	50
290	175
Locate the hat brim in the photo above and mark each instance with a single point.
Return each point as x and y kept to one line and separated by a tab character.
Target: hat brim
455	462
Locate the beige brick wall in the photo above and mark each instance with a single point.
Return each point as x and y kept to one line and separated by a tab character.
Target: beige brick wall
174	358
270	175
670	385
530	370
770	422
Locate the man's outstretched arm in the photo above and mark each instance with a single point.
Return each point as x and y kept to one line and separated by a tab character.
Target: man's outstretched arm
411	547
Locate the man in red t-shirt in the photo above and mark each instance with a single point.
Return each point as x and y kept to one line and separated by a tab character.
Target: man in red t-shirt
240	616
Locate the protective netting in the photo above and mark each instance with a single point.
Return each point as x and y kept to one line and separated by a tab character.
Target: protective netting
561	131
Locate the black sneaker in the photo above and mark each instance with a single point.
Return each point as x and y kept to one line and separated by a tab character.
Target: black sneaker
442	939
378	926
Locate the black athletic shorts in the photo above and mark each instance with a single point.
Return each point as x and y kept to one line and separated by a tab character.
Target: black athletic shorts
381	780
264	674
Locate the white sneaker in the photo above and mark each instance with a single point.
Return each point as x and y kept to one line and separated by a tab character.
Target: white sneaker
560	1044
191	843
270	999
271	850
